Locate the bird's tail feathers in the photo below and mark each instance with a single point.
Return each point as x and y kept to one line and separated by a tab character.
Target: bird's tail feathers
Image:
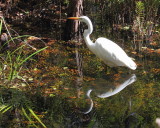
131	64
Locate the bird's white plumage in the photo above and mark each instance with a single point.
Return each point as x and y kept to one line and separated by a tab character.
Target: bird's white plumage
112	54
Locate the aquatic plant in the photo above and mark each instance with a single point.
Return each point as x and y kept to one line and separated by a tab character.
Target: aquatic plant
17	102
14	57
11	64
145	22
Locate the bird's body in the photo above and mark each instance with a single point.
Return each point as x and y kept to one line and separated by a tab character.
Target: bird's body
112	54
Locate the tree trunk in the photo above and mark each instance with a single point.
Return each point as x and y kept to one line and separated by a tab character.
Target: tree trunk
71	31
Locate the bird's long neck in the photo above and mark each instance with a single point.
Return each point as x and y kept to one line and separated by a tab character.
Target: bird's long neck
86	35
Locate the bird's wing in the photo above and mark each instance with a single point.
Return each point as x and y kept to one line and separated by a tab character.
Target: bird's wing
111	53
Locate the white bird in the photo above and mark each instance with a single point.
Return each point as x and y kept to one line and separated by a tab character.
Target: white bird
112	54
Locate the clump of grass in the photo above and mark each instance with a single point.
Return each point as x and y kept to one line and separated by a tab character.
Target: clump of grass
20	102
12	62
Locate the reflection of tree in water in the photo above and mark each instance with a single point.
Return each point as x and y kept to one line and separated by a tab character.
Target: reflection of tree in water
71	31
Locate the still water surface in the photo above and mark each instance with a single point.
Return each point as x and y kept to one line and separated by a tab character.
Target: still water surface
90	95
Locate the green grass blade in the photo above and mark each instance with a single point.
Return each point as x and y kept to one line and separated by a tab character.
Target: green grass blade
92	123
26	115
9	107
36	117
17	49
11	67
17	37
1	26
32	55
5	109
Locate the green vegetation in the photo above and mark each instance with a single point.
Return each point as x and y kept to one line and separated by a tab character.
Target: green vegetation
40	84
12	63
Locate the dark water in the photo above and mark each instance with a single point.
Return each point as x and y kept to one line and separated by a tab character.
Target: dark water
98	97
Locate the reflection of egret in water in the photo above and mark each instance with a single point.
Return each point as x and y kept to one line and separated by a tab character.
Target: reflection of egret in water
109	88
91	105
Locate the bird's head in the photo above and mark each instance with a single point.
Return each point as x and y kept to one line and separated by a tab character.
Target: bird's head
86	20
81	18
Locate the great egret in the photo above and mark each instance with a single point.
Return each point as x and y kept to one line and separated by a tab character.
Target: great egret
105	49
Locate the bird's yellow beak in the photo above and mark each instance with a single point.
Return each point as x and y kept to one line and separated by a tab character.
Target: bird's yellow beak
73	18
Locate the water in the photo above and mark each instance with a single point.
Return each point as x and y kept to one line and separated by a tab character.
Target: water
101	97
